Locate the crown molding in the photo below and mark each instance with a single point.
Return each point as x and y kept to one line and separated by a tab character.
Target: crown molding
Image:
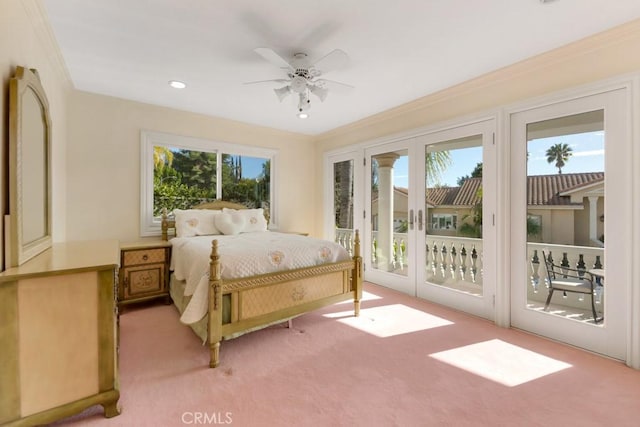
37	14
563	54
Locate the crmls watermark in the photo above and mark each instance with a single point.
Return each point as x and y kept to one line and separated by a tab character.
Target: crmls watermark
207	417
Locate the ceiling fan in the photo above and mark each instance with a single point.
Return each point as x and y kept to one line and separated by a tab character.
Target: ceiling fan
303	76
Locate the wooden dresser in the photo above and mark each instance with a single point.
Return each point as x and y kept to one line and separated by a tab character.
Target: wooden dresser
59	334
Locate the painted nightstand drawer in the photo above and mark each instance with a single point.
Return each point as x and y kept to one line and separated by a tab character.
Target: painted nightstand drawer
144	256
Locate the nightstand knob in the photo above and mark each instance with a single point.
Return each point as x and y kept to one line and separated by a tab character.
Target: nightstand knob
145	257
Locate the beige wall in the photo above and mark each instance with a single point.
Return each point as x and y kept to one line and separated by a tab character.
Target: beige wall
25	40
562	227
604	55
557	226
103	163
581	225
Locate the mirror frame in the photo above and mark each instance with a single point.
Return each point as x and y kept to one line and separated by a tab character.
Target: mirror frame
17	251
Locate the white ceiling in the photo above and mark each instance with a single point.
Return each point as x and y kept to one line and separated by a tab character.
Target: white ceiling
399	50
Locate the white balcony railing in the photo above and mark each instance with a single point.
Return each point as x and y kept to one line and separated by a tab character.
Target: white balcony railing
460	259
345	236
453	259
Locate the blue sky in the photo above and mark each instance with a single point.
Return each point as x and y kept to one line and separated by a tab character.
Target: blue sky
588	156
252	166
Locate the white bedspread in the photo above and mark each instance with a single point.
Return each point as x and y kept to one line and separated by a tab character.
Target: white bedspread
243	255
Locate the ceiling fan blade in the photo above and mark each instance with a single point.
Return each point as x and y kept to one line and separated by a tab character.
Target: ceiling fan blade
274	58
334	60
333	85
268	81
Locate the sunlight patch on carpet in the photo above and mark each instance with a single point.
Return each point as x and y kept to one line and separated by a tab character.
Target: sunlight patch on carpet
501	362
390	320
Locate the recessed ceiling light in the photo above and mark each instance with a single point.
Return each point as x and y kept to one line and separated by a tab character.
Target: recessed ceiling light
176	84
302	115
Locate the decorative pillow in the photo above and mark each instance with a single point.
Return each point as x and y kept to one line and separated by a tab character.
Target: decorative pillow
195	222
254	218
230	223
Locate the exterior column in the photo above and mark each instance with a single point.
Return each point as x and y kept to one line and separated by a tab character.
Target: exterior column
384	249
593	218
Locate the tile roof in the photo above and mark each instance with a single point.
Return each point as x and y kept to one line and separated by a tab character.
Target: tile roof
542	190
469	193
466	195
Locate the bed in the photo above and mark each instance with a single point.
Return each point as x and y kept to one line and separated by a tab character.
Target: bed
236	300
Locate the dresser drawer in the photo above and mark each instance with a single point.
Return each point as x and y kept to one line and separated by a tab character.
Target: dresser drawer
144	256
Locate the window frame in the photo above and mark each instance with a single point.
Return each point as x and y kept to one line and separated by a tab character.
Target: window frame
150	226
443	217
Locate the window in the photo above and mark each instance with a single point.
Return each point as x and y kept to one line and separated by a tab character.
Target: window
180	172
444	222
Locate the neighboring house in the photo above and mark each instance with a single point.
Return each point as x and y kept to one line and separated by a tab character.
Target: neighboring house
568	208
449	207
400	209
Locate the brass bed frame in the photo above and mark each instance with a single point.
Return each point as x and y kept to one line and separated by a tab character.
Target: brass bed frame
241	305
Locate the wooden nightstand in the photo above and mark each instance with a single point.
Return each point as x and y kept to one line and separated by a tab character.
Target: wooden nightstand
144	271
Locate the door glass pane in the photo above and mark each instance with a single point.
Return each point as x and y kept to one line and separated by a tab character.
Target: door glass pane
389	211
565	215
453	206
343	203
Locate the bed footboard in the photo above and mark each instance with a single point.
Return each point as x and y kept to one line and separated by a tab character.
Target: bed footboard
262	300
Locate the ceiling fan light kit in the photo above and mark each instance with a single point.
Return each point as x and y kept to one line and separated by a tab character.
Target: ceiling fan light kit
282	92
304	103
303	76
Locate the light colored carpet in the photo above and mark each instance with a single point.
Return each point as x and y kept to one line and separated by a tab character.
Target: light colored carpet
404	362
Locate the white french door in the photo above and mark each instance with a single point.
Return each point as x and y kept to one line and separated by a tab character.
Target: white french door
455	227
429	222
570	186
344	197
389	241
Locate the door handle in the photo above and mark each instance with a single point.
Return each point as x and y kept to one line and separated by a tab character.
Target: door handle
411	219
420	220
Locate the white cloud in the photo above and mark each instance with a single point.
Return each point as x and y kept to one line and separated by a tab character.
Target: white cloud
589	153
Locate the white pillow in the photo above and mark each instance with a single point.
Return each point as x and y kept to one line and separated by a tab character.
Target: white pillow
230	223
195	222
254	218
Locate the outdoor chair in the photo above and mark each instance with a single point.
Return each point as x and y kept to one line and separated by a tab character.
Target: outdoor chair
565	279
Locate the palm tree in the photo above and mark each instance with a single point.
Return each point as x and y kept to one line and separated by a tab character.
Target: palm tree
559	153
436	163
162	156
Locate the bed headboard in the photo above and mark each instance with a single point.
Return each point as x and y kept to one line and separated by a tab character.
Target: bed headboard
170	223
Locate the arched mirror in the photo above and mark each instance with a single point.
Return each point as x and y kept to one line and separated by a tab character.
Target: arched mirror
29	219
